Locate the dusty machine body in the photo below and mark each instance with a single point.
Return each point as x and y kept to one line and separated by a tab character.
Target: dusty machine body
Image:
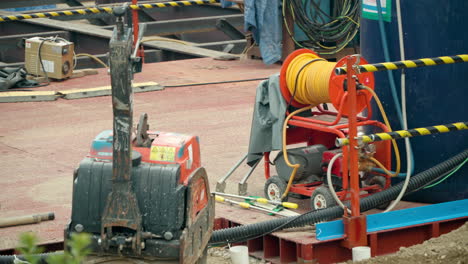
141	194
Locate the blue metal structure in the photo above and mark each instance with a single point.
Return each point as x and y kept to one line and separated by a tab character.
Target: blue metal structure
398	219
435	95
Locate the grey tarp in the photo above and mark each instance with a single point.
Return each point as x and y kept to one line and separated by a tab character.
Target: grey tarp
267	121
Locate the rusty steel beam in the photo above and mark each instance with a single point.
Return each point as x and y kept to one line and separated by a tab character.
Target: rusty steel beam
189	25
99	39
27	3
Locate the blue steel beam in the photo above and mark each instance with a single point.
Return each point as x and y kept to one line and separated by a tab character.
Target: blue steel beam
398	219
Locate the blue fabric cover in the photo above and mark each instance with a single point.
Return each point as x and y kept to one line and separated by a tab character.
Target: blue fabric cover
263	19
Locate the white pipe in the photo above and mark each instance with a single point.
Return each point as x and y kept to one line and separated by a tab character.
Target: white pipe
361	253
403	110
239	254
330	183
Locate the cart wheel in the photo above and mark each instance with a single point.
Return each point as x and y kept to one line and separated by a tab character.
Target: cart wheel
381	181
321	199
274	189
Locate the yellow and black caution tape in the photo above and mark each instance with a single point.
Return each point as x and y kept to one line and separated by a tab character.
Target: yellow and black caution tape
96	10
385	66
406	133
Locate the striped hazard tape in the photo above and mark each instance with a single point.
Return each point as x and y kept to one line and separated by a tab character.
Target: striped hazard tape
385	66
96	10
406	133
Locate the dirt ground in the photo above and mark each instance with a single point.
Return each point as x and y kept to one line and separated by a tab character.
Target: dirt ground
448	248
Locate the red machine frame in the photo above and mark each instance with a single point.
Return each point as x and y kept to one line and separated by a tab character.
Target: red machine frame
313	131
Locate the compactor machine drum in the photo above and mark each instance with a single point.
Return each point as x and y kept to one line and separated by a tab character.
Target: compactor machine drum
141	193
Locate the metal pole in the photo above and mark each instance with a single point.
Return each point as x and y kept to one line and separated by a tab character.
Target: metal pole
354	225
353	151
386	66
25	220
221	185
422	131
97	9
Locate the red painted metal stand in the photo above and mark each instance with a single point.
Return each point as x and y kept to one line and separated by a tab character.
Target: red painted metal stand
302	246
354	225
313	131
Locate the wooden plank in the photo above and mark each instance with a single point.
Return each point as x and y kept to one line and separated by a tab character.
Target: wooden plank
106	90
22	96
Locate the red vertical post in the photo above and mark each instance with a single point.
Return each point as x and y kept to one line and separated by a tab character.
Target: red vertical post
135	23
355	225
353	151
136	28
266	157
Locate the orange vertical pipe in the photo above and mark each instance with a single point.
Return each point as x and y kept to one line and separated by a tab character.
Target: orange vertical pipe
135	23
266	157
136	28
353	151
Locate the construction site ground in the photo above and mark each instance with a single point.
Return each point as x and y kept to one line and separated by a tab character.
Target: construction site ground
41	143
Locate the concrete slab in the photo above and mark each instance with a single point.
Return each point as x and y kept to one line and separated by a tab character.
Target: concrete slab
41	143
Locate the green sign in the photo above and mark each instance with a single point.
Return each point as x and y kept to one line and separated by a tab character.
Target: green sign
370	9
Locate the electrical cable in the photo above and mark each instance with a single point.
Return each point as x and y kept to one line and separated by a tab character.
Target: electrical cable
387	123
92	57
296	166
220	82
165	39
327	34
438	179
39	51
448	175
330	183
401	113
409	153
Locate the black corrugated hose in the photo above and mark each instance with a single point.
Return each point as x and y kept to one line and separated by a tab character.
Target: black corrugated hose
247	232
11	259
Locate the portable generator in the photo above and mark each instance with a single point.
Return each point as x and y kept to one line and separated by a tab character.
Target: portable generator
51	56
140	194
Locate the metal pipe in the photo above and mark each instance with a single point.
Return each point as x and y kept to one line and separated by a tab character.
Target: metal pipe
422	131
260	200
27	219
352	130
386	66
98	9
221	185
242	186
248	206
251	170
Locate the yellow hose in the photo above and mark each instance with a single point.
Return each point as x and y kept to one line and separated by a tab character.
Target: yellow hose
92	57
285	151
166	40
395	146
312	81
